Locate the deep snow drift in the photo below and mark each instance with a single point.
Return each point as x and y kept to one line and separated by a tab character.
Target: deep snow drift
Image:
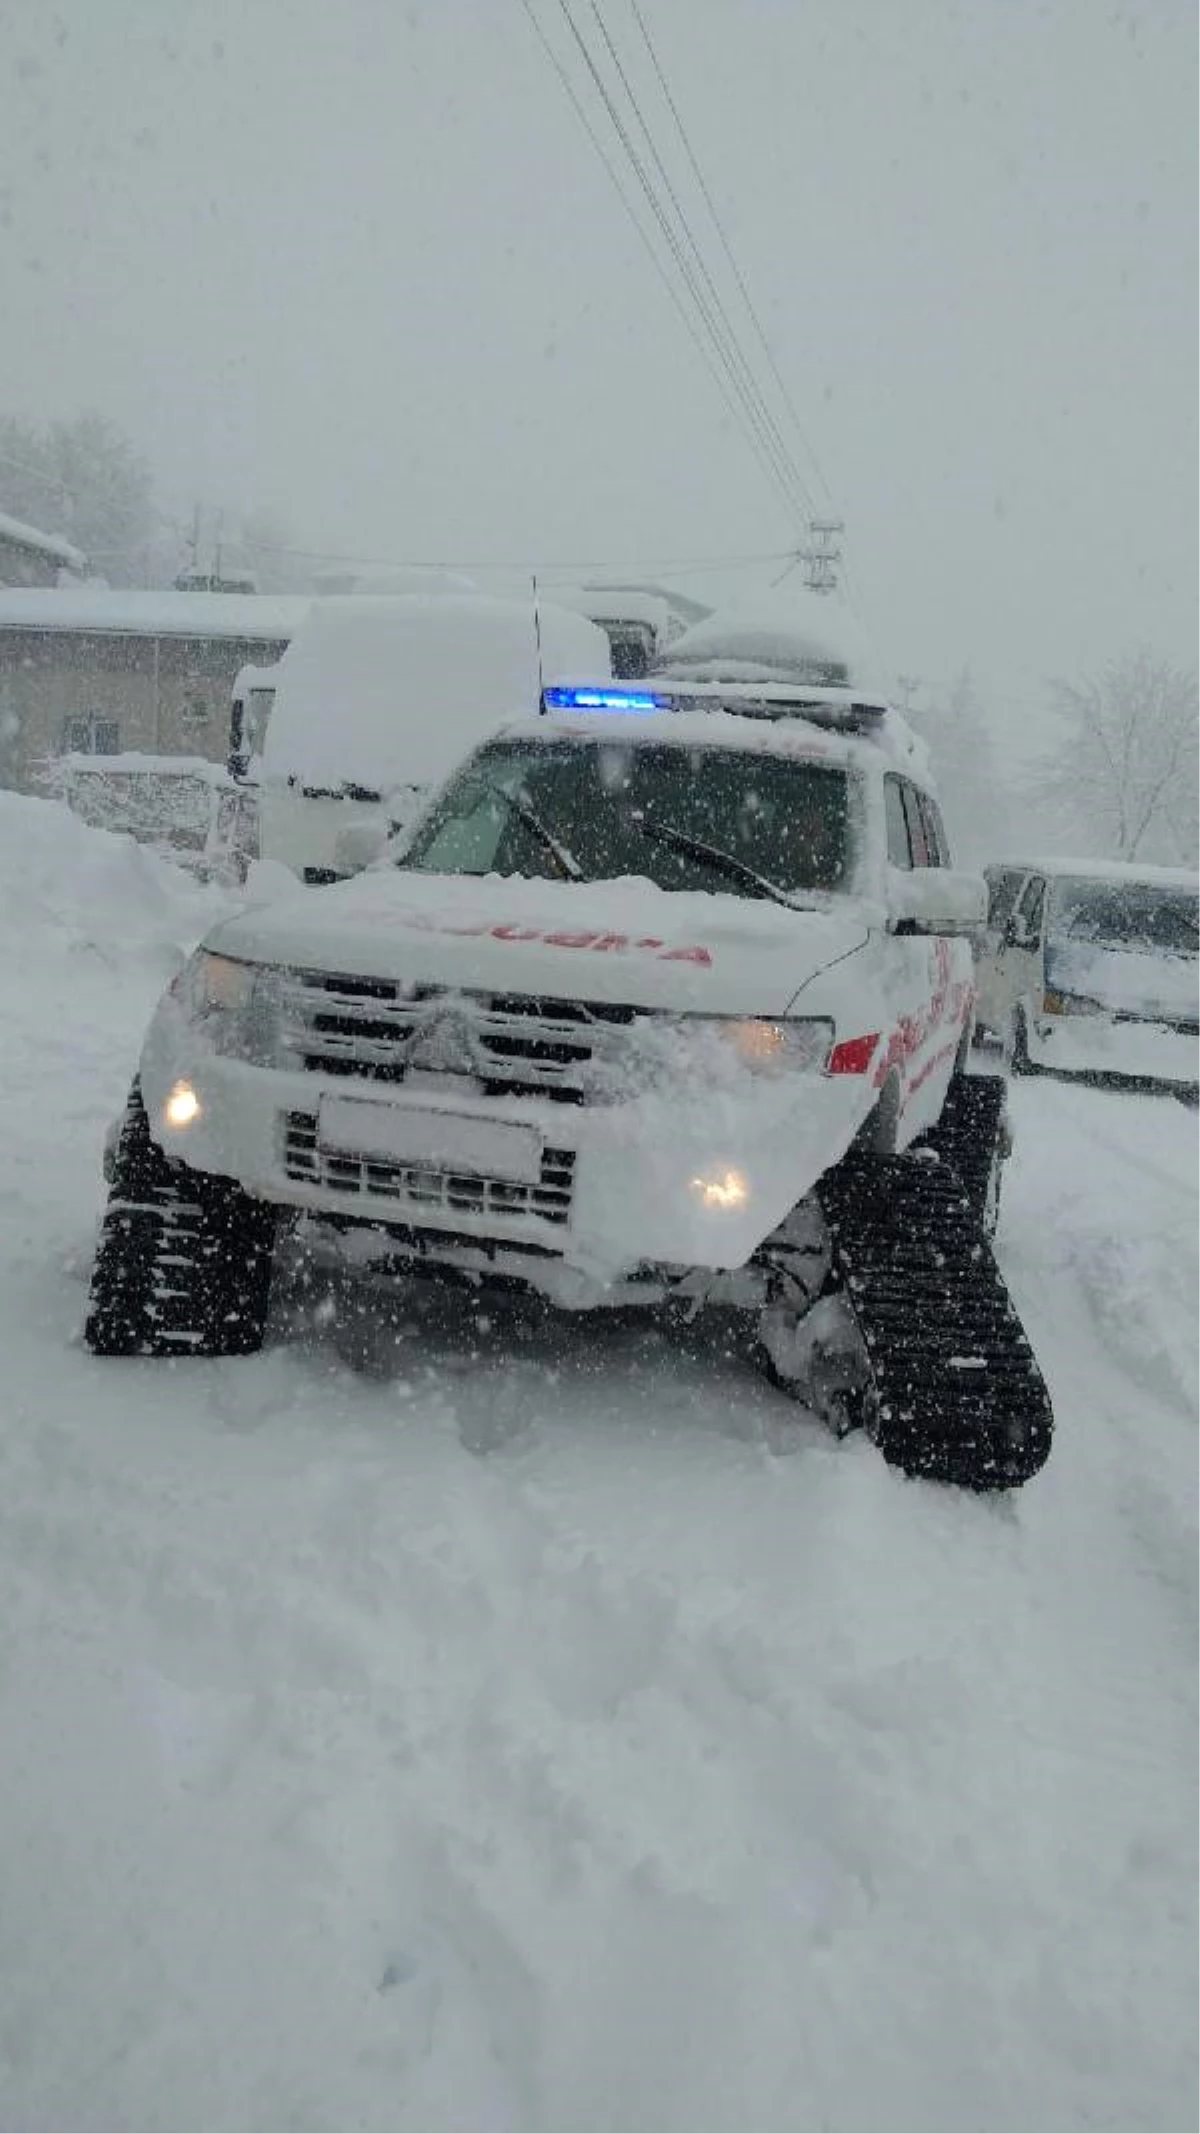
668	1765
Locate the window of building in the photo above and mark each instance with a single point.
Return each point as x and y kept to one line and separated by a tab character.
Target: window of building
195	715
89	733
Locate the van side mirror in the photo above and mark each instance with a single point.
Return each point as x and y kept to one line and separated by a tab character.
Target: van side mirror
936	900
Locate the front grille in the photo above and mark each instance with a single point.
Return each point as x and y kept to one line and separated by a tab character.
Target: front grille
411	1188
508	1043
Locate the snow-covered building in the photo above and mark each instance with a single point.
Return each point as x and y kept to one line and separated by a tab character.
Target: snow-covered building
30	557
91	671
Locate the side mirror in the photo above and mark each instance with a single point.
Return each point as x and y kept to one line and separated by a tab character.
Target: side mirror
936	900
358	845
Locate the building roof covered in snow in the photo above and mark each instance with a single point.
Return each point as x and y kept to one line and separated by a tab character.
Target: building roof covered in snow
92	611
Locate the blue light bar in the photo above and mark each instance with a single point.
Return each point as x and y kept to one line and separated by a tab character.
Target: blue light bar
562	697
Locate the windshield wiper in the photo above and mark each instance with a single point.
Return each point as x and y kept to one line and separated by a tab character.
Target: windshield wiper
517	805
721	862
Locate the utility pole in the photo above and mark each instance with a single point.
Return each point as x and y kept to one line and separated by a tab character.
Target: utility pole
822	555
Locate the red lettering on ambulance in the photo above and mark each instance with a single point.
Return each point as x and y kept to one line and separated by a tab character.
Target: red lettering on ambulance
687	955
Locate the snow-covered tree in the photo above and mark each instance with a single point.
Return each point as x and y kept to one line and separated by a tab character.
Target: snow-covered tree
1121	782
84	481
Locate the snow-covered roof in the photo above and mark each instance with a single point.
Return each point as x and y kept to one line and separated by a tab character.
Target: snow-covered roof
23	536
722	728
1115	871
611	604
135	764
771	635
252	676
151	614
682	606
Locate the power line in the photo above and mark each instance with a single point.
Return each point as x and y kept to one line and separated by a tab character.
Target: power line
752	423
732	404
524	564
689	326
768	450
719	226
749	385
686	256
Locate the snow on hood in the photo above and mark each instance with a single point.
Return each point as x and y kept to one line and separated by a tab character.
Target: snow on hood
383	692
625	941
1129	981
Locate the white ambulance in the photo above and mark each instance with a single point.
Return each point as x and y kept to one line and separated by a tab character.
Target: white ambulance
666	999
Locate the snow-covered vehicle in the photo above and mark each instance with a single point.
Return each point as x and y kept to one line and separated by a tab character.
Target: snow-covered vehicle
665	999
185	807
1089	967
377	698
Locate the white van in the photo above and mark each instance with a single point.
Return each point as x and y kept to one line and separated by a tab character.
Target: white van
376	699
1089	967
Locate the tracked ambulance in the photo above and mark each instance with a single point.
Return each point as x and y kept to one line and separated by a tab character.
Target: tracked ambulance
666	1000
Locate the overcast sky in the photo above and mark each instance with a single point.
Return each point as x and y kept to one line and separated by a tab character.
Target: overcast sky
359	262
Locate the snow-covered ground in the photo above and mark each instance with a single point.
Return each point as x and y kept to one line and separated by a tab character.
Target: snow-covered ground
545	1734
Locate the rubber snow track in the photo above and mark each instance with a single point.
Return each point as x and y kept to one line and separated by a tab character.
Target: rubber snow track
961	1398
669	1765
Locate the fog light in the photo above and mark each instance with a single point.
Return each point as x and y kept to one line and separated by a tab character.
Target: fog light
182	1106
728	1191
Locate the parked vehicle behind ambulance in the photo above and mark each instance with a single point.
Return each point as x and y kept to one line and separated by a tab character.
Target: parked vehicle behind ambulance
377	698
1089	967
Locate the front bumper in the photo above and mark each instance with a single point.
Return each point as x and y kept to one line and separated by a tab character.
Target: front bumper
617	1185
1103	1047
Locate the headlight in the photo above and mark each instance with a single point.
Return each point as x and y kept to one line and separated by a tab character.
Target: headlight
233	1007
777	1048
211	985
690	1053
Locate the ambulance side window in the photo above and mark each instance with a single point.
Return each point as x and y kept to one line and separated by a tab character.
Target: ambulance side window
935	831
916	826
899	851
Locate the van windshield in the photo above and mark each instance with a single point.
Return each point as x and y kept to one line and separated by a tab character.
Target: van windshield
1134	916
598	810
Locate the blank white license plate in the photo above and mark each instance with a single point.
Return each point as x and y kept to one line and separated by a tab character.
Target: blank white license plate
438	1140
